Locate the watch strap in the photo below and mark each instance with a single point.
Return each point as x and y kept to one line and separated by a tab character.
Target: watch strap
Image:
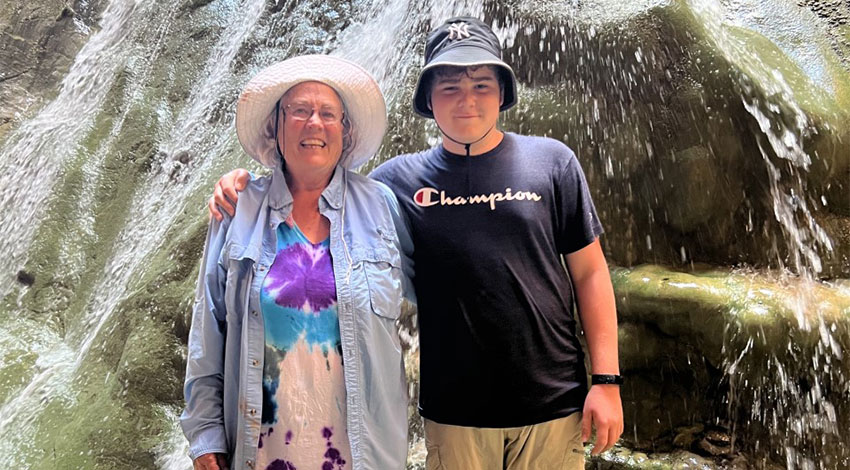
606	379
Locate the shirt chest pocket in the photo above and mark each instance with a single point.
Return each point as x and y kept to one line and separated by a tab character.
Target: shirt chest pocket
377	278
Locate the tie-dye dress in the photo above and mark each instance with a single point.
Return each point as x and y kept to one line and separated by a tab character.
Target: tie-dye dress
303	421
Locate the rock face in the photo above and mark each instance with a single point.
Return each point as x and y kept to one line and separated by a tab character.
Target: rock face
736	352
717	141
38	43
707	136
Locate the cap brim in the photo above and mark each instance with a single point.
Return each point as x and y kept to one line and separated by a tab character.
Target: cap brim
461	56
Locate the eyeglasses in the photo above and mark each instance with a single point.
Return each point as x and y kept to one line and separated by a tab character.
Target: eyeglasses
303	112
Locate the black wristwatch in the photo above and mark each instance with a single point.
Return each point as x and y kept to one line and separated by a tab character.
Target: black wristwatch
606	379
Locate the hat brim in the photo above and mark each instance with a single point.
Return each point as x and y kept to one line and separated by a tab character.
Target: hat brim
465	56
364	104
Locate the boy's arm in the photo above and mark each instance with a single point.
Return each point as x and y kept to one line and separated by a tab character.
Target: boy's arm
603	408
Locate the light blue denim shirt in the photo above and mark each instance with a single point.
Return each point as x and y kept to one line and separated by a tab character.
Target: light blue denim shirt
371	251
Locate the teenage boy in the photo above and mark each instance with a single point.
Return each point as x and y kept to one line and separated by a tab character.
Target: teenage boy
502	376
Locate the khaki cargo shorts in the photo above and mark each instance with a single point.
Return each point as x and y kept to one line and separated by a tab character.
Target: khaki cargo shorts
553	445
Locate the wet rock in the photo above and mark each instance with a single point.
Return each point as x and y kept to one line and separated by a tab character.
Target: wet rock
38	44
67	12
621	458
686	436
837	227
195	4
836	15
694	191
756	336
53	298
727	107
640	89
25	278
183	157
716	443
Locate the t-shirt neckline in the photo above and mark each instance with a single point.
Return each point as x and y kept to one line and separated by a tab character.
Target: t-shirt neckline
494	151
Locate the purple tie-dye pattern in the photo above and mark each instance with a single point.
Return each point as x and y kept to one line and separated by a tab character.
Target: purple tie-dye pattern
265	434
332	454
301	275
281	465
288	437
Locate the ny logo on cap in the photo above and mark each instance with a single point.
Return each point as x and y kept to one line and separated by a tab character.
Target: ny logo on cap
459	31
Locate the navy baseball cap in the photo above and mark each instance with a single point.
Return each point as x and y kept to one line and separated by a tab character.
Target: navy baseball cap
463	41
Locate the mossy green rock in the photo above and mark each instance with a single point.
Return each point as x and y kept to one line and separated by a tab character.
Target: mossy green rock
704	136
740	349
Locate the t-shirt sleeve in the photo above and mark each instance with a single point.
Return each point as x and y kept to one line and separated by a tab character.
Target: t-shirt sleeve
578	223
382	173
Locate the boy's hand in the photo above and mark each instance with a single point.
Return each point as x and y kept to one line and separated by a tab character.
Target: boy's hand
604	411
226	191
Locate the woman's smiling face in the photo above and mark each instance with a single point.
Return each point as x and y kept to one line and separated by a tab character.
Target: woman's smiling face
314	143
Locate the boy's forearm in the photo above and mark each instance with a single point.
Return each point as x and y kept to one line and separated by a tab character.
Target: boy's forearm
597	309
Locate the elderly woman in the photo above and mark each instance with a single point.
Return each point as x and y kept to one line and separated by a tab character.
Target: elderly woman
294	357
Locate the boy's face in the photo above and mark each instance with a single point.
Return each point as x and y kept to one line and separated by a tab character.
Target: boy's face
466	105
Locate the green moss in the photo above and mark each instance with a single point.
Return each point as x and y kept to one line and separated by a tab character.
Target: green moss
134	367
100	431
750	341
17	368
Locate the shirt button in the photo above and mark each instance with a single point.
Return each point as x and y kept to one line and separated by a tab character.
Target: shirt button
254	312
262	267
249	463
252	411
255	362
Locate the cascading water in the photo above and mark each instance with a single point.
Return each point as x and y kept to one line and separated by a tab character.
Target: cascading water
786	397
101	197
36	152
159	200
34	156
153	210
782	391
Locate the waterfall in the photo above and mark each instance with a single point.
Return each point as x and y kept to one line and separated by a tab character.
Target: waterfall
785	139
153	210
30	163
32	158
393	52
795	390
163	196
174	69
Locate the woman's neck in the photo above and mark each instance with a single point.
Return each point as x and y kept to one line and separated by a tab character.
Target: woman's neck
305	205
307	182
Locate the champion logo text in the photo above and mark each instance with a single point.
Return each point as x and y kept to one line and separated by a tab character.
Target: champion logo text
427	197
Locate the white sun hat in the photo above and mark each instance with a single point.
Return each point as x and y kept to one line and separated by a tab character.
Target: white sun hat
361	96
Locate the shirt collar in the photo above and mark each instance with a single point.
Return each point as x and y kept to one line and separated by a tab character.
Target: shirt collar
280	196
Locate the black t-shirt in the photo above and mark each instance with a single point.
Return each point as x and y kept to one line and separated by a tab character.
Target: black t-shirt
498	346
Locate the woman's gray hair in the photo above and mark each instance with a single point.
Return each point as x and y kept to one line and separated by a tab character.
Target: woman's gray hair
347	138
